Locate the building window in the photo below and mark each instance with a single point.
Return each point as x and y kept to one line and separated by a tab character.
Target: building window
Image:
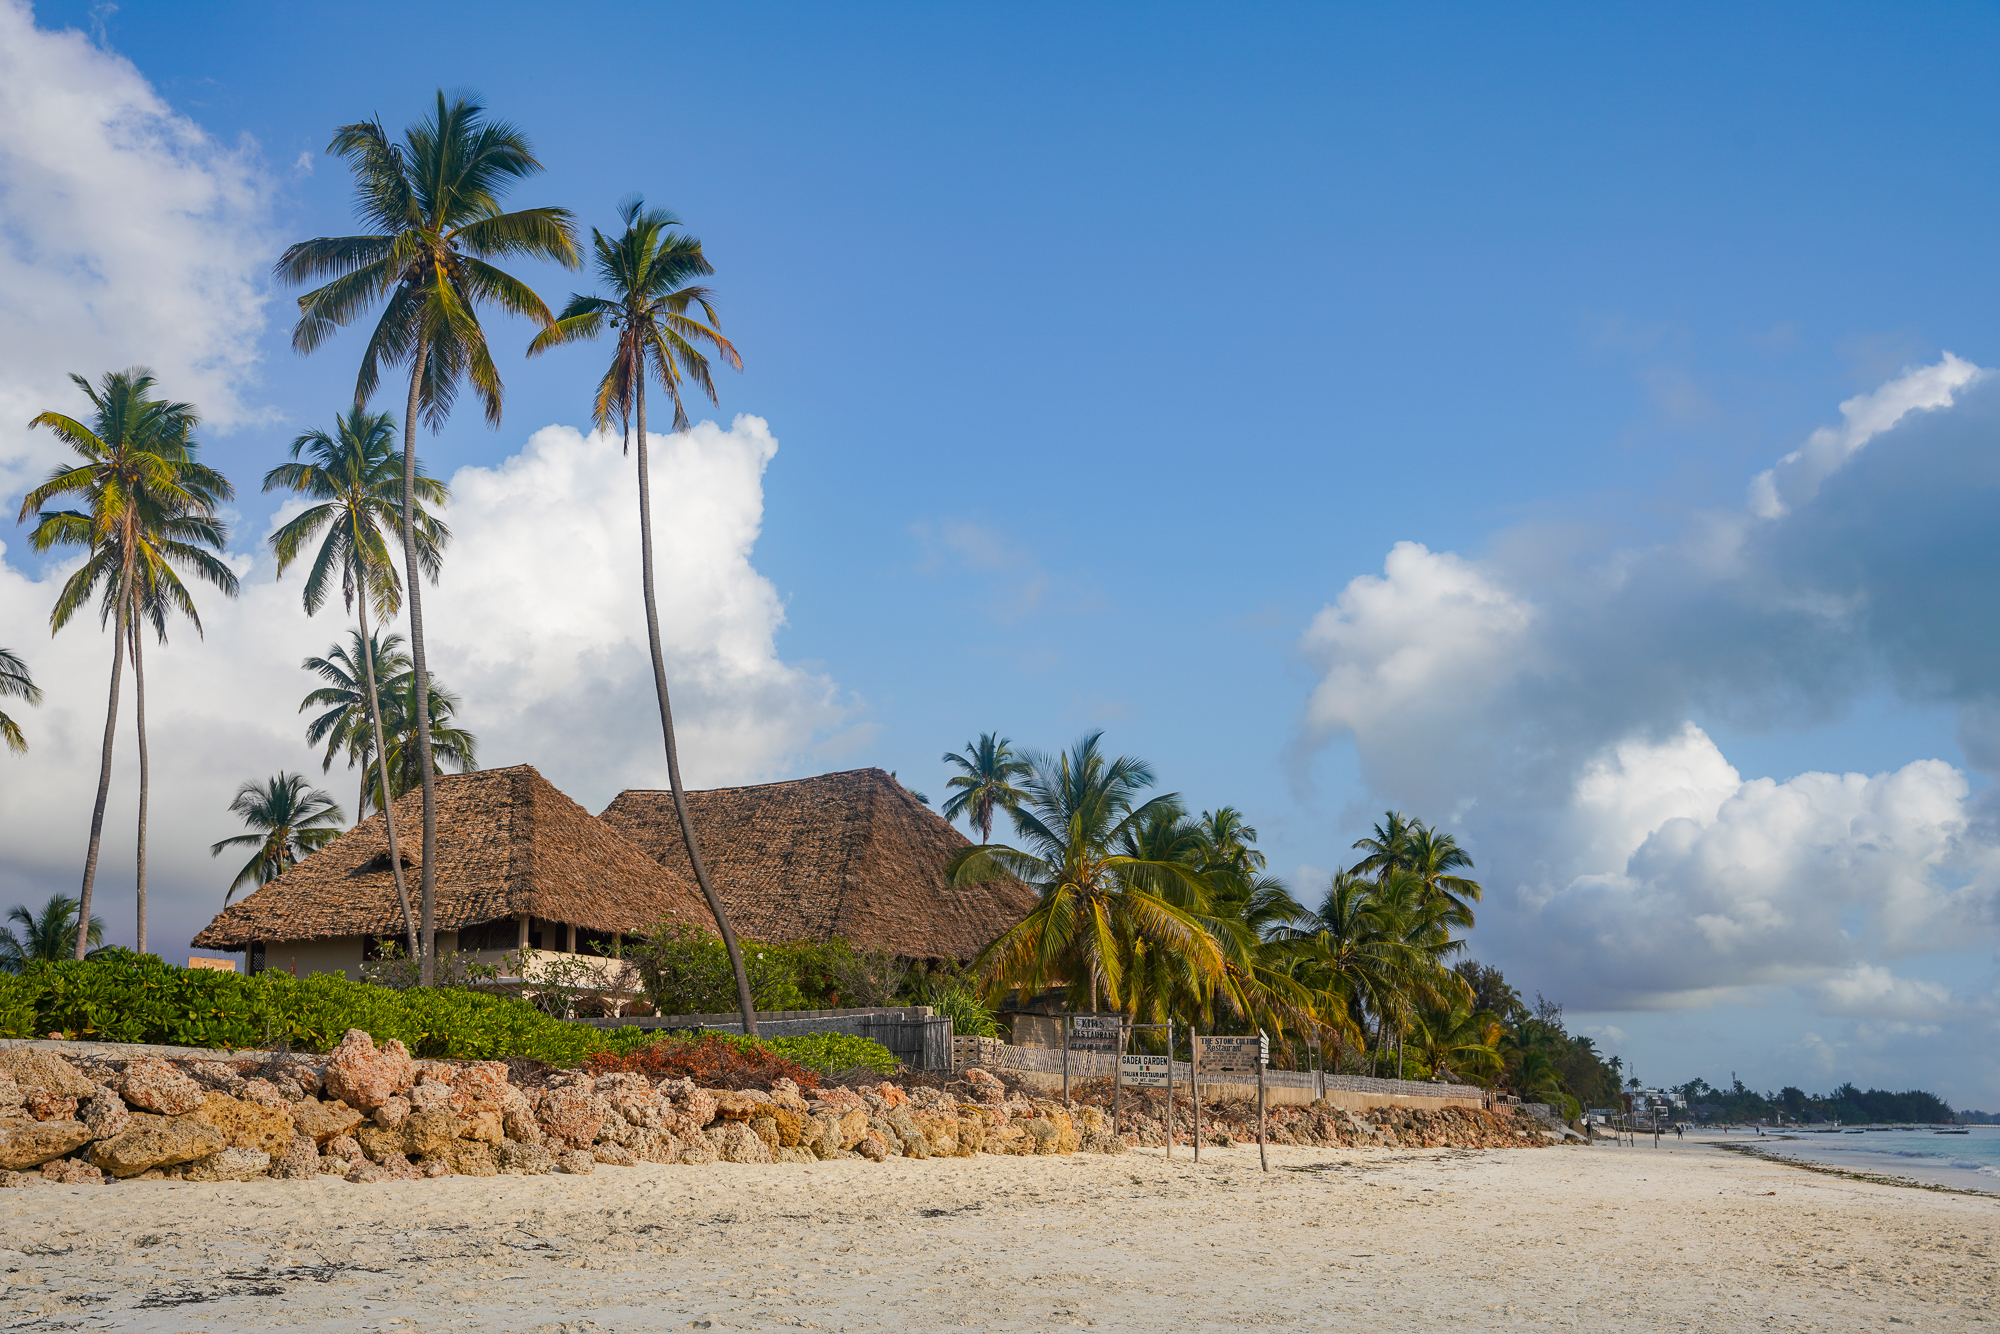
256	957
594	942
502	933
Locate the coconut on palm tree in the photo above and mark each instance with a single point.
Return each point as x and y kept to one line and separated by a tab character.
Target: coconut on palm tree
17	683
650	269
46	937
984	785
1098	899
149	511
433	201
287	818
355	476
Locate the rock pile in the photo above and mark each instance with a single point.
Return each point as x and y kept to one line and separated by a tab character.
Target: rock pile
1320	1125
366	1113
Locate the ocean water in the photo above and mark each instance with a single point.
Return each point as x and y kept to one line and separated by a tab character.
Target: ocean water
1969	1162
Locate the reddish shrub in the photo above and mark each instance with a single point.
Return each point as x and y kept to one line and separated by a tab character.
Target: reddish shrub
713	1060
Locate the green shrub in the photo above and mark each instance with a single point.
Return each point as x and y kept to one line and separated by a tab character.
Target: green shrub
835	1052
685	970
127	997
969	1018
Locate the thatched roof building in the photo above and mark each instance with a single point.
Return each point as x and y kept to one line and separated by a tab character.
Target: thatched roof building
849	854
518	861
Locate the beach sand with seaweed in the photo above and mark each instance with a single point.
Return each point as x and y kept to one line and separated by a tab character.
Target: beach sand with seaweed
1681	1237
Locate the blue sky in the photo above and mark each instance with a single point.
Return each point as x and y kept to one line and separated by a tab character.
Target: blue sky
1103	349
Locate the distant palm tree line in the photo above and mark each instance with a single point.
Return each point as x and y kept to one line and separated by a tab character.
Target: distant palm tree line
1154	912
435	231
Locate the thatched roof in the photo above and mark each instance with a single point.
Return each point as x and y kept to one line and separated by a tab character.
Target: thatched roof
850	854
508	842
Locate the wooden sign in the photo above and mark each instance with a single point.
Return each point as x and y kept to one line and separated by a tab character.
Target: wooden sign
1094	1032
1229	1059
1145	1071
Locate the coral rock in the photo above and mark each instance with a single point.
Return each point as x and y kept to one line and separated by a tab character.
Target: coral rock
362	1075
105	1114
72	1172
324	1121
391	1111
438	1167
44	1106
32	1143
872	1148
517	1158
577	1162
733	1105
11	1096
572	1116
248	1125
162	1143
10	1180
611	1155
299	1162
486	1127
472	1158
38	1071
229	1165
154	1086
264	1093
735	1142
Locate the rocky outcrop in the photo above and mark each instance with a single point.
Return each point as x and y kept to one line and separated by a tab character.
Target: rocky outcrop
371	1114
25	1143
157	1142
152	1085
363	1075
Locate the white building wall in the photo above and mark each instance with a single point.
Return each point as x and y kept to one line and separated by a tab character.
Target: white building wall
334	954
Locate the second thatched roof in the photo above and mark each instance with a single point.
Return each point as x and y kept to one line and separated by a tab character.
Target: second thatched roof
850	855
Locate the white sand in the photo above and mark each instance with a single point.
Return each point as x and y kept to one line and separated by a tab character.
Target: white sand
1679	1238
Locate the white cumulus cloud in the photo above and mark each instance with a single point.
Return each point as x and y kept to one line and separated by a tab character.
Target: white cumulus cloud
130	236
1547	706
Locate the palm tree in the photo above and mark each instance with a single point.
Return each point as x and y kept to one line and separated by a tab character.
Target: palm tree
289	818
1388	850
984	785
1453	1038
353	473
15	681
346	725
49	936
1096	899
1436	859
434	202
648	269
150	510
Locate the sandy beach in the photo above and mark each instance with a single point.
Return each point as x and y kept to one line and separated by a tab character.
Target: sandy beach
1681	1237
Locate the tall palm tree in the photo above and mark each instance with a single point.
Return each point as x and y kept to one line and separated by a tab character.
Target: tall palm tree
48	936
150	511
288	818
648	269
1388	850
355	476
16	682
1077	810
984	785
434	202
453	747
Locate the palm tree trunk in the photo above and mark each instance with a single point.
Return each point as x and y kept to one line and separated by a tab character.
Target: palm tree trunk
744	1001
427	965
382	768
103	786
145	773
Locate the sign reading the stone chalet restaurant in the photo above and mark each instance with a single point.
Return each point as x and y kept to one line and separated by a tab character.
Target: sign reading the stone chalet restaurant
1229	1059
1093	1032
1145	1071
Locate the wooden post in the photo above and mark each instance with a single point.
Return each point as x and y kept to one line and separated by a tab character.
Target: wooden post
1170	1090
1118	1073
1263	1160
1065	1032
521	921
1194	1083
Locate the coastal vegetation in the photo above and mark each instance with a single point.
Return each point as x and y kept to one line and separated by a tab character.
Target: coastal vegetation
1737	1103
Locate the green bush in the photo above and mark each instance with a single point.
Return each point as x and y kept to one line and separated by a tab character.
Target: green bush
834	1053
127	997
686	971
969	1017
